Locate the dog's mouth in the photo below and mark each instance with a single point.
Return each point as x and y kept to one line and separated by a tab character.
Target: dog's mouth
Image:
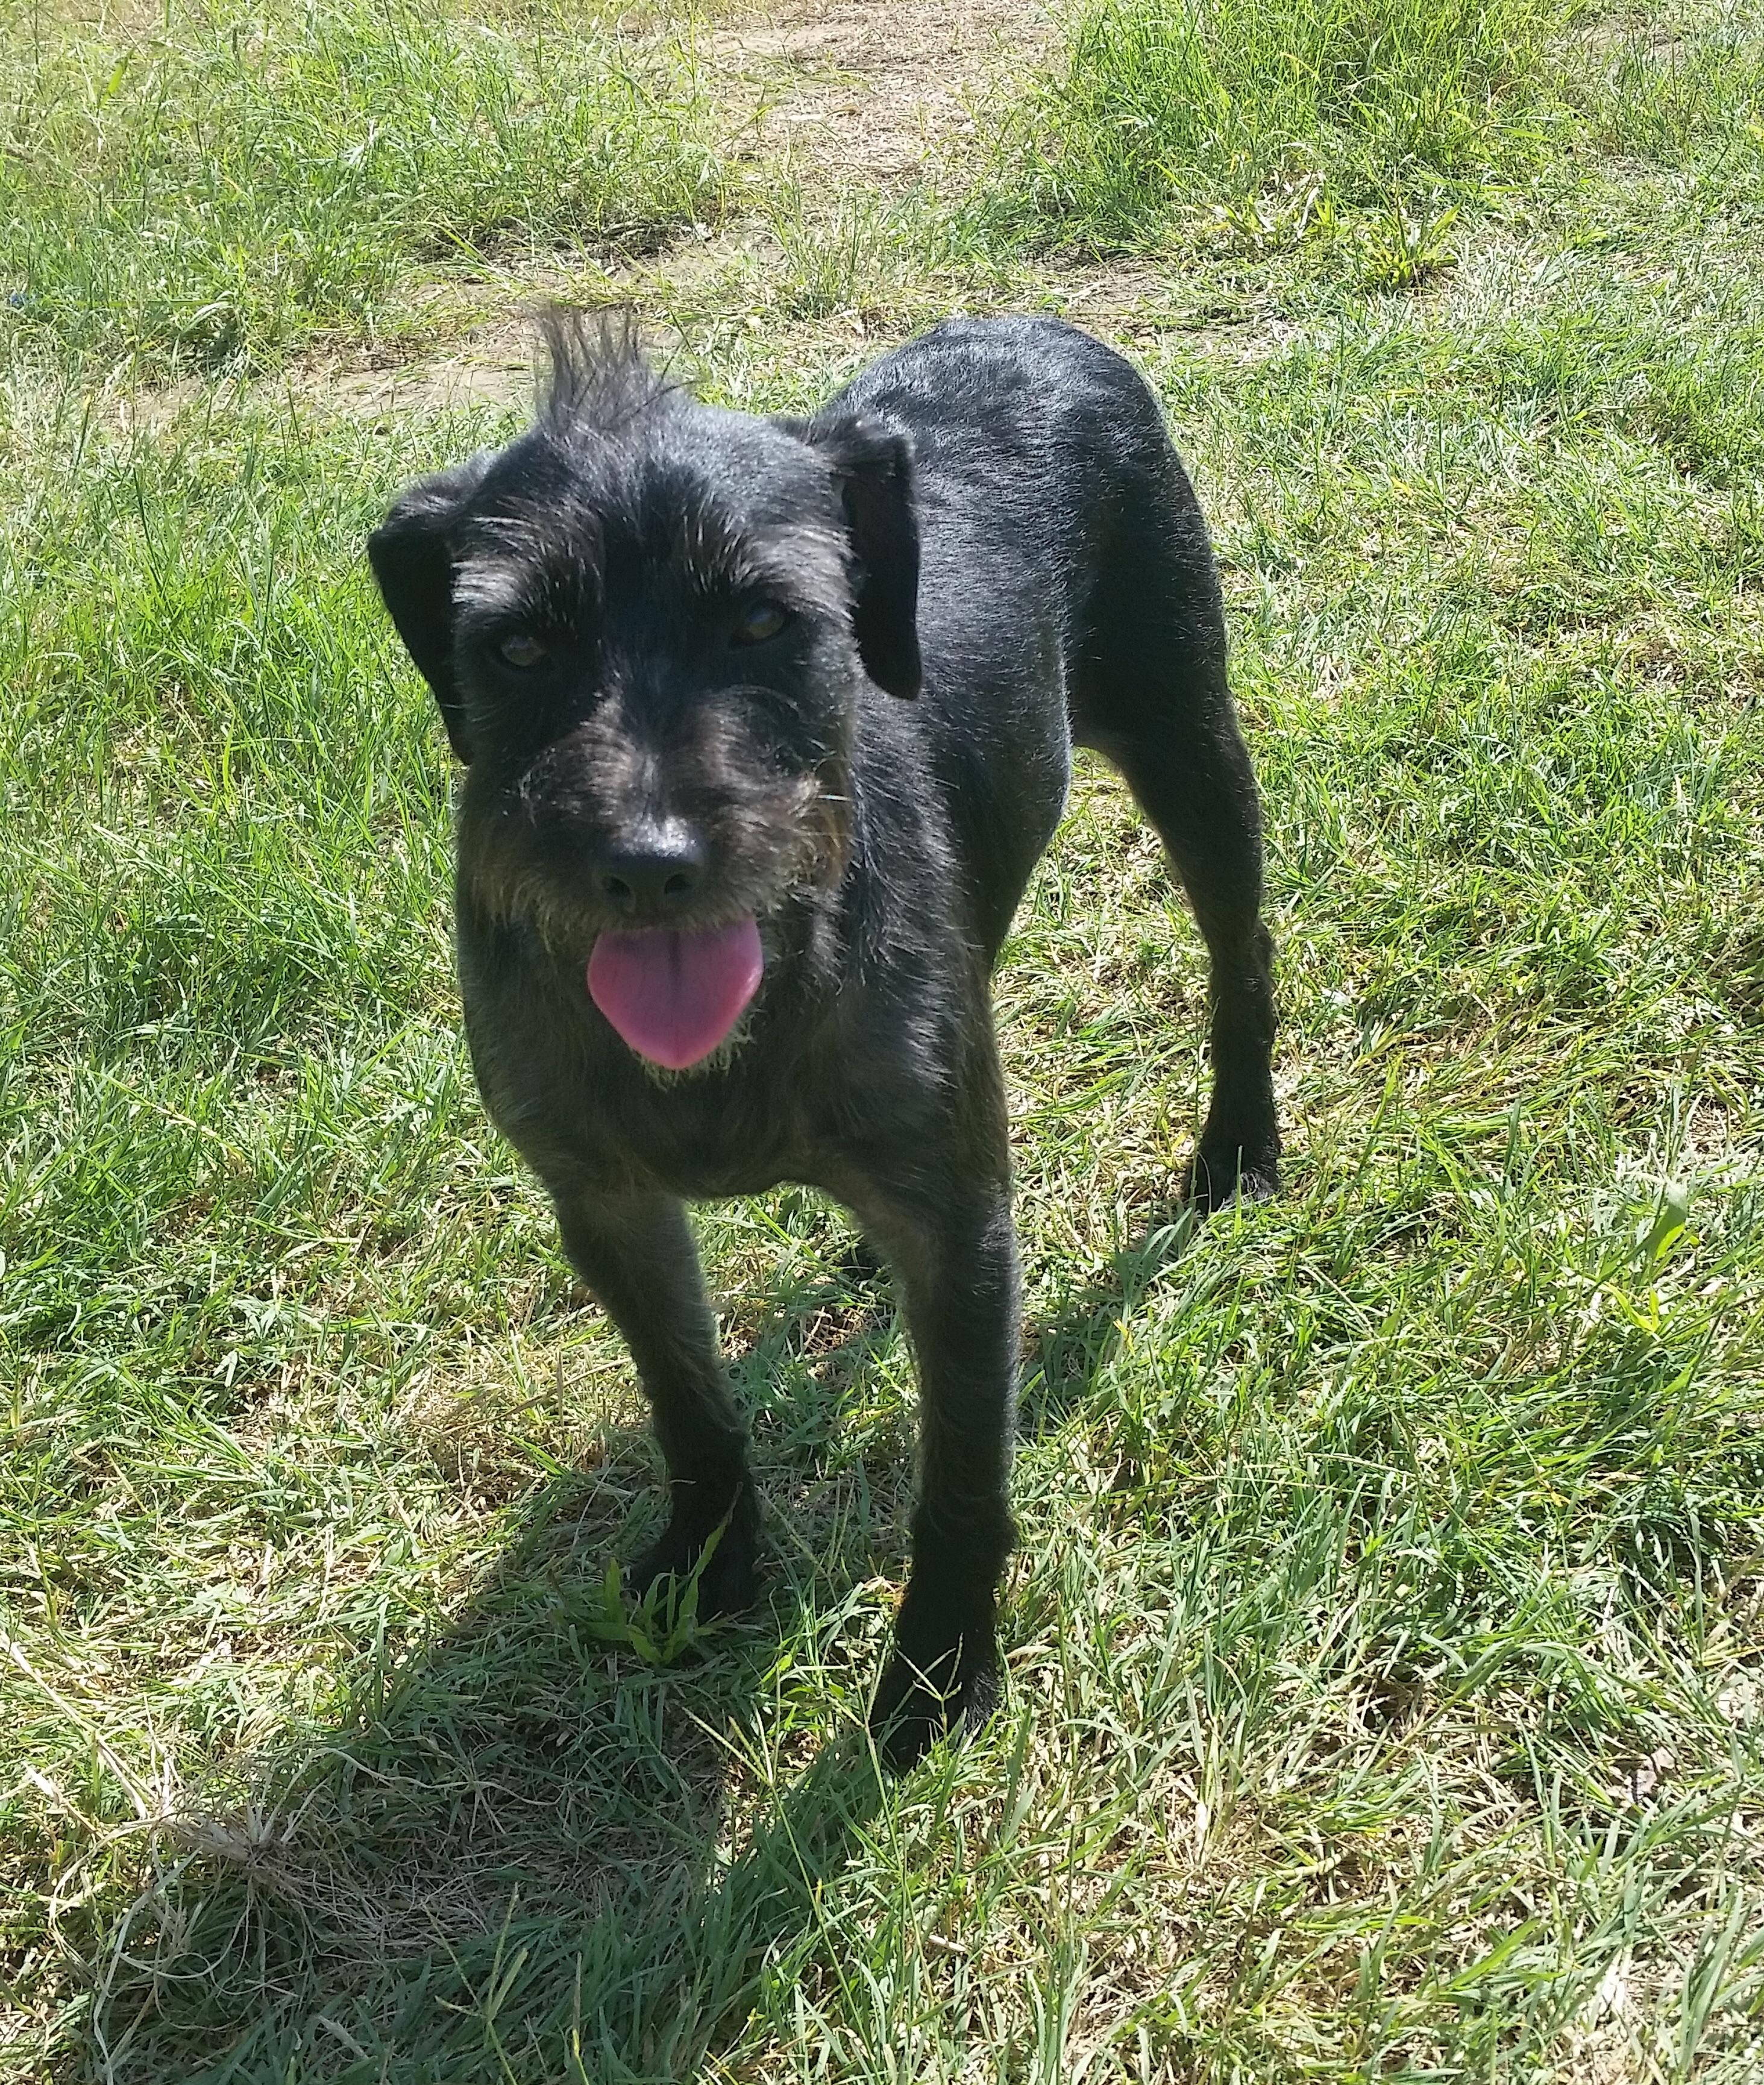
674	994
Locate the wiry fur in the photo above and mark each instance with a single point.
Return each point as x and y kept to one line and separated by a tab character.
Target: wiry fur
987	549
598	381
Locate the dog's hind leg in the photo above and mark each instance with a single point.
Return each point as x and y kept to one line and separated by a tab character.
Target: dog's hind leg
636	1255
1154	700
1200	796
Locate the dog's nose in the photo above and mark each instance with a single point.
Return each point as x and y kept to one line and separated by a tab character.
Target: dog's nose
657	870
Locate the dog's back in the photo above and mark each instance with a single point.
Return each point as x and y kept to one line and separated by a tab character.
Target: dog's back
1055	522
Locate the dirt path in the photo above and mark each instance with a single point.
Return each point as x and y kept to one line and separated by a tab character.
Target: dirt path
837	93
862	90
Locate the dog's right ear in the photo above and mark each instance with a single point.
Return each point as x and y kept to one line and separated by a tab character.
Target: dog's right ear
412	554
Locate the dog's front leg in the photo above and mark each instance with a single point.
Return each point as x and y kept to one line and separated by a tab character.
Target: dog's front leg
636	1255
955	1256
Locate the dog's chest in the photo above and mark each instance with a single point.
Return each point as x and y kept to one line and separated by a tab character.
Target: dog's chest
706	1138
798	1094
576	1103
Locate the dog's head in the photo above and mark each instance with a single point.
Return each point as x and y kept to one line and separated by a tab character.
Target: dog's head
646	622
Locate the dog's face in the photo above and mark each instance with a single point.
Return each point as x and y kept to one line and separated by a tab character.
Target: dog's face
645	623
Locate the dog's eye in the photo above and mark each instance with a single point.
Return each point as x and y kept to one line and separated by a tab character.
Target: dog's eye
760	621
522	651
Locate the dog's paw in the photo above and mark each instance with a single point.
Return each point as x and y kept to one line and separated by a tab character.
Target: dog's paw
920	1699
1219	1177
726	1562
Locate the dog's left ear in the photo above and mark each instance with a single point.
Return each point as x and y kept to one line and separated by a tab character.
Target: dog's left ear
873	464
412	554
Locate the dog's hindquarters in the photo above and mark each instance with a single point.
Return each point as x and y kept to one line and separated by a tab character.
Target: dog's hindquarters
1149	690
1063	541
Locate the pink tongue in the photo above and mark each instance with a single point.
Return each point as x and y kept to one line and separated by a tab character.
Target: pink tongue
674	997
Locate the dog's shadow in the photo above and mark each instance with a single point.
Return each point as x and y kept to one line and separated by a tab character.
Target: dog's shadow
564	1829
550	1833
1066	1350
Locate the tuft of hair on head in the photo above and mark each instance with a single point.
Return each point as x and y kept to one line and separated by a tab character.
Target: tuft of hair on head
596	377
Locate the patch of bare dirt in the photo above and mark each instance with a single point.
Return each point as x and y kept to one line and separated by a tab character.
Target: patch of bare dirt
866	90
841	92
493	367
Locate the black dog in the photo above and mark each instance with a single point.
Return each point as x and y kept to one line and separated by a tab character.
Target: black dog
767	725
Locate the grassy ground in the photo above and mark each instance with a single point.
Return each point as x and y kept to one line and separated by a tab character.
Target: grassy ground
1387	1644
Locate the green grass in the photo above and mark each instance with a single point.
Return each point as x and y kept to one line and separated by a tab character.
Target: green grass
1359	131
222	186
1387	1642
1161	101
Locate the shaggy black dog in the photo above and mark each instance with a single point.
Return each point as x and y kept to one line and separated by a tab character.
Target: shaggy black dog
766	723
